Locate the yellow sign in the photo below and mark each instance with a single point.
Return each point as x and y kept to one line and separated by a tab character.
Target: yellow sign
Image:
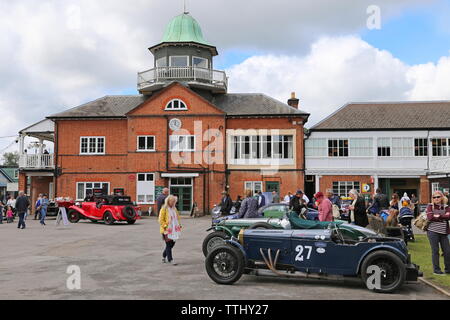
365	188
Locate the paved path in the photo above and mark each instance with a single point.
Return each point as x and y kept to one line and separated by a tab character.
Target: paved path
124	262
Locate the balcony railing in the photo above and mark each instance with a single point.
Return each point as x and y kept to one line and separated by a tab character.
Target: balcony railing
201	75
440	165
36	161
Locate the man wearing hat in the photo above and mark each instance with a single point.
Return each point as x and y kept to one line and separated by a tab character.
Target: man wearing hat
297	203
226	204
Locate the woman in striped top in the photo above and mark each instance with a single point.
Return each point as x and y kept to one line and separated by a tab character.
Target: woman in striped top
438	214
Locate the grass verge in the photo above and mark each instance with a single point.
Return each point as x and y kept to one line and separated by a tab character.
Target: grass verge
421	255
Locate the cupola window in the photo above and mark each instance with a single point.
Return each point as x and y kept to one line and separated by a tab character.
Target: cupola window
179	61
161	62
176	104
199	62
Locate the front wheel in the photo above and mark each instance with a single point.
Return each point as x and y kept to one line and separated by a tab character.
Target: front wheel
74	216
225	264
108	218
386	265
213	239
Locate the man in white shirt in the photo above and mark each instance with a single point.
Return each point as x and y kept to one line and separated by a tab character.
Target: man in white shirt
287	198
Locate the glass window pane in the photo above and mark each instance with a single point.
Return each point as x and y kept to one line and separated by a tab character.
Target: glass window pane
181	61
200	62
161	62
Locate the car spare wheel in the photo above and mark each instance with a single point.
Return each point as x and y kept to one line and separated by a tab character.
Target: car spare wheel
213	239
74	216
128	212
388	267
108	218
261	225
225	264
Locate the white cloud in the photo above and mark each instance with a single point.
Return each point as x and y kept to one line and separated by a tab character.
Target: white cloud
338	70
58	54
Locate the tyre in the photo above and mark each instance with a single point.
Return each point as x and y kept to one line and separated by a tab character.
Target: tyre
212	240
108	218
261	225
393	271
74	216
129	213
131	221
225	264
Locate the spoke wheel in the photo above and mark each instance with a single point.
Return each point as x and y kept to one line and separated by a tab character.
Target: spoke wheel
212	240
108	218
392	270
225	264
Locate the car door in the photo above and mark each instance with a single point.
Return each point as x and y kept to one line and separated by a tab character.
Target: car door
302	250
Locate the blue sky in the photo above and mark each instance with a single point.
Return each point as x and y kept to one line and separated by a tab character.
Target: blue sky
417	35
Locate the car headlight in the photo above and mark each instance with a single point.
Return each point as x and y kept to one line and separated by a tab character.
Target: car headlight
241	236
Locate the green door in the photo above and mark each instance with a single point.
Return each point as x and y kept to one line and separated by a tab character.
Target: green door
273	186
184	195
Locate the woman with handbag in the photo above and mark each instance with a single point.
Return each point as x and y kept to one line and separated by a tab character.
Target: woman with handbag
438	215
170	227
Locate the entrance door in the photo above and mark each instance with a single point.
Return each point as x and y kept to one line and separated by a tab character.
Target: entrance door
182	189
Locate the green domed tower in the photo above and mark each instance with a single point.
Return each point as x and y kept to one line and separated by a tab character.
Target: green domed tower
185	56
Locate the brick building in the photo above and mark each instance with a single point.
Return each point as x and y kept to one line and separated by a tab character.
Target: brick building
183	131
396	146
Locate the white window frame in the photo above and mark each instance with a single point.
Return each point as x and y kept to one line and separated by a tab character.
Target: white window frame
207	62
346	186
238	144
93	187
339	149
446	148
355	150
425	148
434	187
170	61
177	137
181	102
316	147
252	184
146	149
407	151
96	145
16	173
152	187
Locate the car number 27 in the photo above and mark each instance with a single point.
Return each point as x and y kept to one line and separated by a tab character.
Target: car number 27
301	249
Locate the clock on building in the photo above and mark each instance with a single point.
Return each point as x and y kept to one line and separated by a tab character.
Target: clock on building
175	124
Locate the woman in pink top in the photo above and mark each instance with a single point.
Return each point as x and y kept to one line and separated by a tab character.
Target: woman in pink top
325	207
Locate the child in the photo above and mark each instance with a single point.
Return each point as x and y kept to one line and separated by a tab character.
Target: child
9	215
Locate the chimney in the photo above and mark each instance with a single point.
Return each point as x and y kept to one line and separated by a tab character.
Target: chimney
293	101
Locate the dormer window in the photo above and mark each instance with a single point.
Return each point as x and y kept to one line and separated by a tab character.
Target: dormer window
179	61
176	104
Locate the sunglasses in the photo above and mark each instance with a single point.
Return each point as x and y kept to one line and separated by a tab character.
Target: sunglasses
437	197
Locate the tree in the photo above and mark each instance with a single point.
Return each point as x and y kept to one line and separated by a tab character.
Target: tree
11	159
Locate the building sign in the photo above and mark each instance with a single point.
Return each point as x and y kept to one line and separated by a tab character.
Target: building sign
12	187
365	188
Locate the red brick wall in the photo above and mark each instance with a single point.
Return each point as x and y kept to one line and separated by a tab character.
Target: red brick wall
425	190
326	182
121	162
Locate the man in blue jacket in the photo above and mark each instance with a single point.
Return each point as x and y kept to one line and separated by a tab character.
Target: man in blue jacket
22	205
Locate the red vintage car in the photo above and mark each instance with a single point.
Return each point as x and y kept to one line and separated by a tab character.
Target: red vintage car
106	208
